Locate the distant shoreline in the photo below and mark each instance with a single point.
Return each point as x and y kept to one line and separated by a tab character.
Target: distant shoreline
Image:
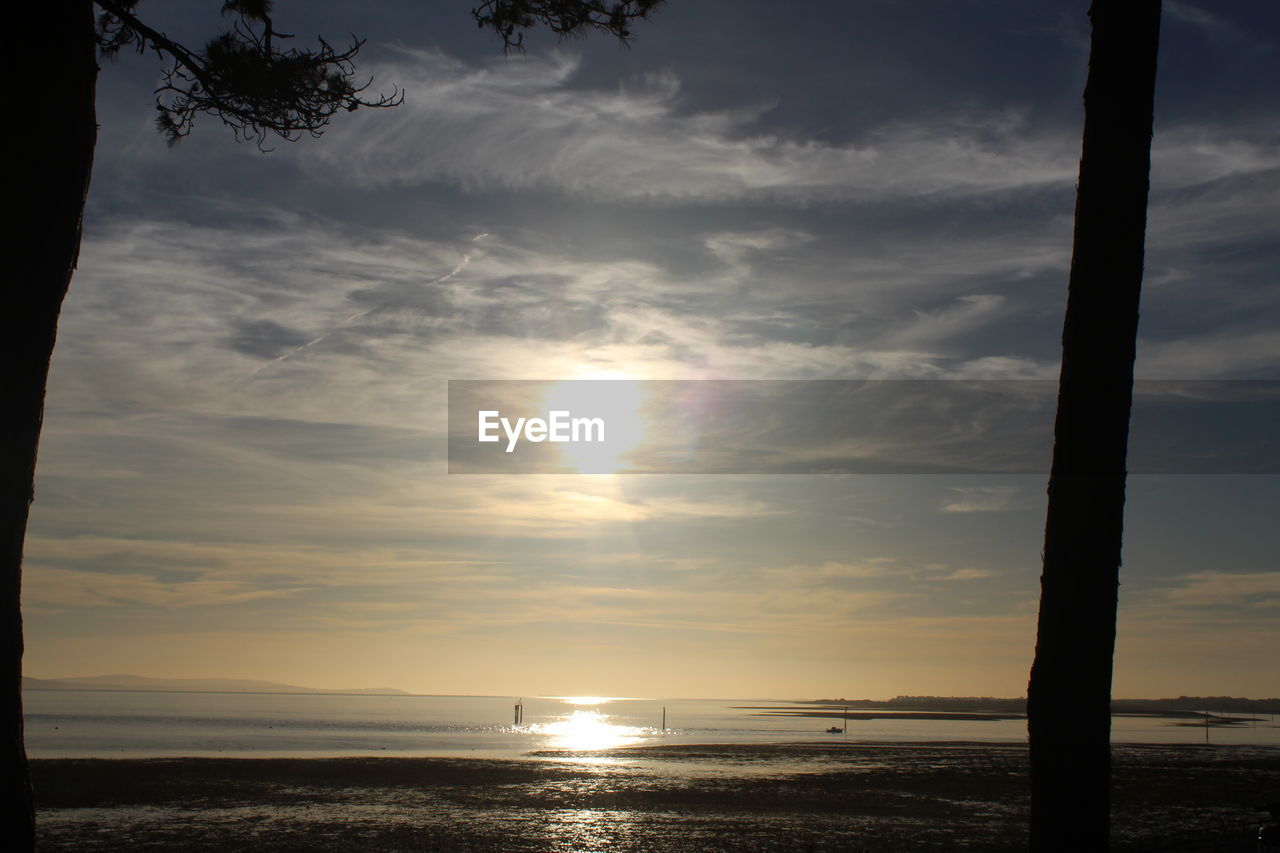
901	707
144	684
229	692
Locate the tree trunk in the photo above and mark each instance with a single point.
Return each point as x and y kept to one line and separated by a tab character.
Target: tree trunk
55	128
1069	696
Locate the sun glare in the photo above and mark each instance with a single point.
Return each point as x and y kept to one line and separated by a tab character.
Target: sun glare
617	401
585	700
589	730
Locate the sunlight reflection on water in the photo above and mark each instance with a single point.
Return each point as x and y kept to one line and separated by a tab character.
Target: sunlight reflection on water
588	730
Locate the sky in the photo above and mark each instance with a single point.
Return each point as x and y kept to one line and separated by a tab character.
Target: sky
244	466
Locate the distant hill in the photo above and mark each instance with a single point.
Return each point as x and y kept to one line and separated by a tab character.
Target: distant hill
1182	706
187	685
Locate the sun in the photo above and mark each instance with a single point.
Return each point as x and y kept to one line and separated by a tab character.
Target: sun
588	730
615	400
585	700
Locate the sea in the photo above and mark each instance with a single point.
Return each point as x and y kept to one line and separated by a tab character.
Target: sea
154	724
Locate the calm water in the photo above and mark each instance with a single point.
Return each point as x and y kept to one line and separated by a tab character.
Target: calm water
153	724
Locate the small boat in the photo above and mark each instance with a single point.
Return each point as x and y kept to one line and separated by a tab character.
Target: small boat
835	730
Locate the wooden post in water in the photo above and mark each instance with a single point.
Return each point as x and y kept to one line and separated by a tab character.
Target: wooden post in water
519	711
664	718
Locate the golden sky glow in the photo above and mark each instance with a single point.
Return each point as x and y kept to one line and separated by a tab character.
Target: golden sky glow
243	470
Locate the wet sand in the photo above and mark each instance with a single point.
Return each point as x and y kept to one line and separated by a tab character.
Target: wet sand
783	797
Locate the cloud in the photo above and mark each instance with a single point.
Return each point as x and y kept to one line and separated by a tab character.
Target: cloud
1191	154
1188	13
293	318
967	575
558	507
1232	589
835	573
528	123
982	499
966	314
266	339
61	588
1222	353
277	565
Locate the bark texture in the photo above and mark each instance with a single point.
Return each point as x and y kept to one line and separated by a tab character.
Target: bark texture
49	176
1068	709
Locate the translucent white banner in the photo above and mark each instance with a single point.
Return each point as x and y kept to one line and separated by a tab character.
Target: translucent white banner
840	427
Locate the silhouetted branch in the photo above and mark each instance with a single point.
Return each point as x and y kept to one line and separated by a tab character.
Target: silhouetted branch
242	77
509	18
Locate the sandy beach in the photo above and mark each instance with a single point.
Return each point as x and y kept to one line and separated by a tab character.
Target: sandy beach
784	797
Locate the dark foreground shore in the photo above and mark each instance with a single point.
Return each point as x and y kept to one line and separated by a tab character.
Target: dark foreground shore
792	797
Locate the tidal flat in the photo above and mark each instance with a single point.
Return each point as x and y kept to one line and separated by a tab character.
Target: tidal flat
844	796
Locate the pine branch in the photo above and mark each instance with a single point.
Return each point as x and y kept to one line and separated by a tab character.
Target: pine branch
510	18
242	77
